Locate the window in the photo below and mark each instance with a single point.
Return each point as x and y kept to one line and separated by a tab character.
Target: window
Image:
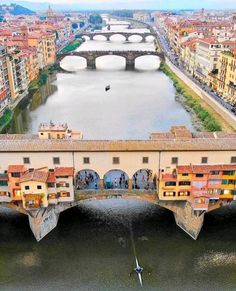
184	183
184	193
169	193
233	160
86	160
204	160
199	175
228	173
214	182
224	182
15	175
174	161
170	183
27	187
215	173
3	183
56	160
231	182
51	185
26	160
145	160
185	174
116	160
17	184
39	187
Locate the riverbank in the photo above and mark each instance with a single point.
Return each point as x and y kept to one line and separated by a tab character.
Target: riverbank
72	46
34	87
204	116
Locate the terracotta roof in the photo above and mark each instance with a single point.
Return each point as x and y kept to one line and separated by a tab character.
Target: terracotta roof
16	169
51	178
35	175
64	171
204	169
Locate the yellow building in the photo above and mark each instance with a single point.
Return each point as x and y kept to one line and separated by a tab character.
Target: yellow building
34	189
32	64
227	75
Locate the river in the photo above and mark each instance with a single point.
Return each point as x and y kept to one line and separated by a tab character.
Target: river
91	248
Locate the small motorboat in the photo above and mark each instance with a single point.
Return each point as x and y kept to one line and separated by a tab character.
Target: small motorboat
139	271
107	88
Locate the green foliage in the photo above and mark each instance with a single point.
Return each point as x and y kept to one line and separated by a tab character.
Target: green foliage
95	19
72	46
5	119
209	122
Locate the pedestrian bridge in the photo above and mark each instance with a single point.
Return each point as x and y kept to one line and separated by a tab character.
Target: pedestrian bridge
129	56
108	35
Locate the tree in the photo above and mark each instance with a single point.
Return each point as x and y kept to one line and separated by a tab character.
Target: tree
74	25
81	24
95	19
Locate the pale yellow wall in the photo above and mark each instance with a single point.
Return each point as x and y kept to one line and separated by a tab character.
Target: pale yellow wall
101	162
33	190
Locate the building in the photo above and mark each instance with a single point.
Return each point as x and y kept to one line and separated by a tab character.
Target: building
142	16
4	81
16	65
207	56
227	75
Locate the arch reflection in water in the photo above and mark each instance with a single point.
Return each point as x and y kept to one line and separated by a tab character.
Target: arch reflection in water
116	179
73	63
111	62
147	63
144	179
87	180
118	38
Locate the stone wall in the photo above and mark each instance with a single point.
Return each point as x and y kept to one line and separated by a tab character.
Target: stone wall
224	113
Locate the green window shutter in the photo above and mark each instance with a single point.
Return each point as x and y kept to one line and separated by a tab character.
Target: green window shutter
224	182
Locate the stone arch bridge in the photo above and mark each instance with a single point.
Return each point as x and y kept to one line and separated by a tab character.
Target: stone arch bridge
130	56
127	35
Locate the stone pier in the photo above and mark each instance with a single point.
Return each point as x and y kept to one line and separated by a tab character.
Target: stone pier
43	221
190	221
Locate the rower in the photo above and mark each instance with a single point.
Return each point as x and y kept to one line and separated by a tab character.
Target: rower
138	270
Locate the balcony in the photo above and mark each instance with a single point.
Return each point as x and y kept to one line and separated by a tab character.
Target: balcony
5	196
33	201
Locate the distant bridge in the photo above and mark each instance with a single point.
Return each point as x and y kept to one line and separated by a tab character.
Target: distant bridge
130	56
127	35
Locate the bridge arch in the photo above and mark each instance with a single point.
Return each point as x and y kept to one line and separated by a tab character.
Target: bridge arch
87	179
144	179
116	179
114	36
136	37
99	37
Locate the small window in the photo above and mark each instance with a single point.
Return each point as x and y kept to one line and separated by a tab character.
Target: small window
204	160
170	183
27	187
184	183
233	160
15	175
26	160
17	184
185	174
39	187
56	161
145	160
116	160
213	173
51	185
228	173
199	175
174	161
86	160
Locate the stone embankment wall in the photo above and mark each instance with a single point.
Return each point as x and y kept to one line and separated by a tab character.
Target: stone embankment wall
226	115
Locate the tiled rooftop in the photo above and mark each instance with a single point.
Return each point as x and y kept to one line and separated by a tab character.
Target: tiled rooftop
179	139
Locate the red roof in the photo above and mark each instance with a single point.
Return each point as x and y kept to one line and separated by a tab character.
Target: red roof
64	171
51	178
16	169
204	168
